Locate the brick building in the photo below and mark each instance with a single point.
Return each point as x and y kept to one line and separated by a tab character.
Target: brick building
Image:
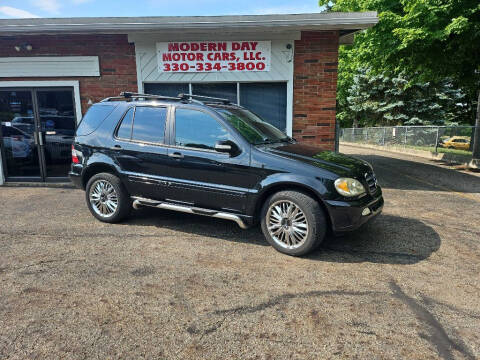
284	67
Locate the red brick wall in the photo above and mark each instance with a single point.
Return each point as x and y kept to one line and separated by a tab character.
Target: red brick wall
315	86
116	57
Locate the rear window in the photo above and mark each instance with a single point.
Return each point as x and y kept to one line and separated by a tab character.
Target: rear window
93	118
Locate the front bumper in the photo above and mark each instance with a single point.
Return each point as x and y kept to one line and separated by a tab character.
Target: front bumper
350	215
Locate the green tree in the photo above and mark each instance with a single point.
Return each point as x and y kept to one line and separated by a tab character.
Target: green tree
430	40
376	99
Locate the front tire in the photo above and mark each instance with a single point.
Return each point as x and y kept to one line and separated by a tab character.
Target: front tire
107	198
293	222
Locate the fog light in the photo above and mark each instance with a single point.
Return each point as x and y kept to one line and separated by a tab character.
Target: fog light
366	212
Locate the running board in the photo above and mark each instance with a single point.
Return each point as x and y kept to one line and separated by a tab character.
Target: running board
139	202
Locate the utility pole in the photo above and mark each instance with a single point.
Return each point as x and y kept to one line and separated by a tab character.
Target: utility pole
475	163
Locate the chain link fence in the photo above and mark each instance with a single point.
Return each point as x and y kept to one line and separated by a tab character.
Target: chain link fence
457	139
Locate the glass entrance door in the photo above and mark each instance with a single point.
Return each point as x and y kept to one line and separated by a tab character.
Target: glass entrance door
36	134
20	150
56	113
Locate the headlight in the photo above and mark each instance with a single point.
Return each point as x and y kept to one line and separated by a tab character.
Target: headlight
349	187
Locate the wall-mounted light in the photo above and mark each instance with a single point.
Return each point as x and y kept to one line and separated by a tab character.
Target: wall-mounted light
25	46
288	53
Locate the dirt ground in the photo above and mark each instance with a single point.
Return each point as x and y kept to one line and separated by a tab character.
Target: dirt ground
165	285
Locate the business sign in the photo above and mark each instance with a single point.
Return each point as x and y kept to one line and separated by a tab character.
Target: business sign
214	56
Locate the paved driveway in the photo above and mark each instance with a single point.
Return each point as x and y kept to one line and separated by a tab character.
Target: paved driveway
168	285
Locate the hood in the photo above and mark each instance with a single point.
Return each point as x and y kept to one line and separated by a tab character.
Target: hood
337	163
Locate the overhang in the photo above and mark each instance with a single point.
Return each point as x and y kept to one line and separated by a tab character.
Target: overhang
346	21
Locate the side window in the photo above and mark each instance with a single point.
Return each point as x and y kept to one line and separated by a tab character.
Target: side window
125	129
149	124
197	129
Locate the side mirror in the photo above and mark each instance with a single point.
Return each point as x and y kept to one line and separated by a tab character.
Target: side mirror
227	146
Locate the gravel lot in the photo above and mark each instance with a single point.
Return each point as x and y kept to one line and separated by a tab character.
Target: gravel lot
176	286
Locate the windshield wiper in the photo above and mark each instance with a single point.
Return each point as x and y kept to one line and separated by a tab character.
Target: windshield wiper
286	139
269	141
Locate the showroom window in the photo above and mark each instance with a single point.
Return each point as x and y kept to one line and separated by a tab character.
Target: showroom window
267	99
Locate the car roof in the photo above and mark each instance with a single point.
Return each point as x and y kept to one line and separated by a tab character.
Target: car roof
155	99
172	103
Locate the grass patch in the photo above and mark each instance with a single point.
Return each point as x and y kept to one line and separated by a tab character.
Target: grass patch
441	150
415	147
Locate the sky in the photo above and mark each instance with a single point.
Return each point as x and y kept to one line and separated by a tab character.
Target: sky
76	8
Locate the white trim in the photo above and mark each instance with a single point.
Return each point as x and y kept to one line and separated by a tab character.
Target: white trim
226	35
51	83
65	83
138	62
290	107
238	93
49	66
252	23
2	178
290	92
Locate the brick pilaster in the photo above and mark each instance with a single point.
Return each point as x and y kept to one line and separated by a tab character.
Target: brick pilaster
315	87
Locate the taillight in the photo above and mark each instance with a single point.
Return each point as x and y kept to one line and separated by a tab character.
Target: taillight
75	156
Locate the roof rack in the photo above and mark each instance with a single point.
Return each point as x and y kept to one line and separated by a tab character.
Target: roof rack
126	95
208	98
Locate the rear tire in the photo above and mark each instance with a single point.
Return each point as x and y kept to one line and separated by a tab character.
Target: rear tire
293	222
107	198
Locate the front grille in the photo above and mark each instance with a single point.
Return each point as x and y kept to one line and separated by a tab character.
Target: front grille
371	181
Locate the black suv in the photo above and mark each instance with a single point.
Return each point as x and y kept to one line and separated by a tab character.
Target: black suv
207	156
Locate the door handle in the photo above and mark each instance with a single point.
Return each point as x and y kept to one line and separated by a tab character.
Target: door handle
176	155
116	147
40	138
215	163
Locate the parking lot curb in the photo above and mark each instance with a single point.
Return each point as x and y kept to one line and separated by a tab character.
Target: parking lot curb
65	185
448	158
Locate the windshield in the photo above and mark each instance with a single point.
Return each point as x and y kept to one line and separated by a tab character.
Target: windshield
253	128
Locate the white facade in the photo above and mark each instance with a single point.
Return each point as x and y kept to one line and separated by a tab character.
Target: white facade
281	65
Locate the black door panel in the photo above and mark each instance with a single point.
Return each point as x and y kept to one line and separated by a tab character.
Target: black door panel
201	175
145	167
144	163
210	180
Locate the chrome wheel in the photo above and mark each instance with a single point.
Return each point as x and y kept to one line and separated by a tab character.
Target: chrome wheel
103	198
287	224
